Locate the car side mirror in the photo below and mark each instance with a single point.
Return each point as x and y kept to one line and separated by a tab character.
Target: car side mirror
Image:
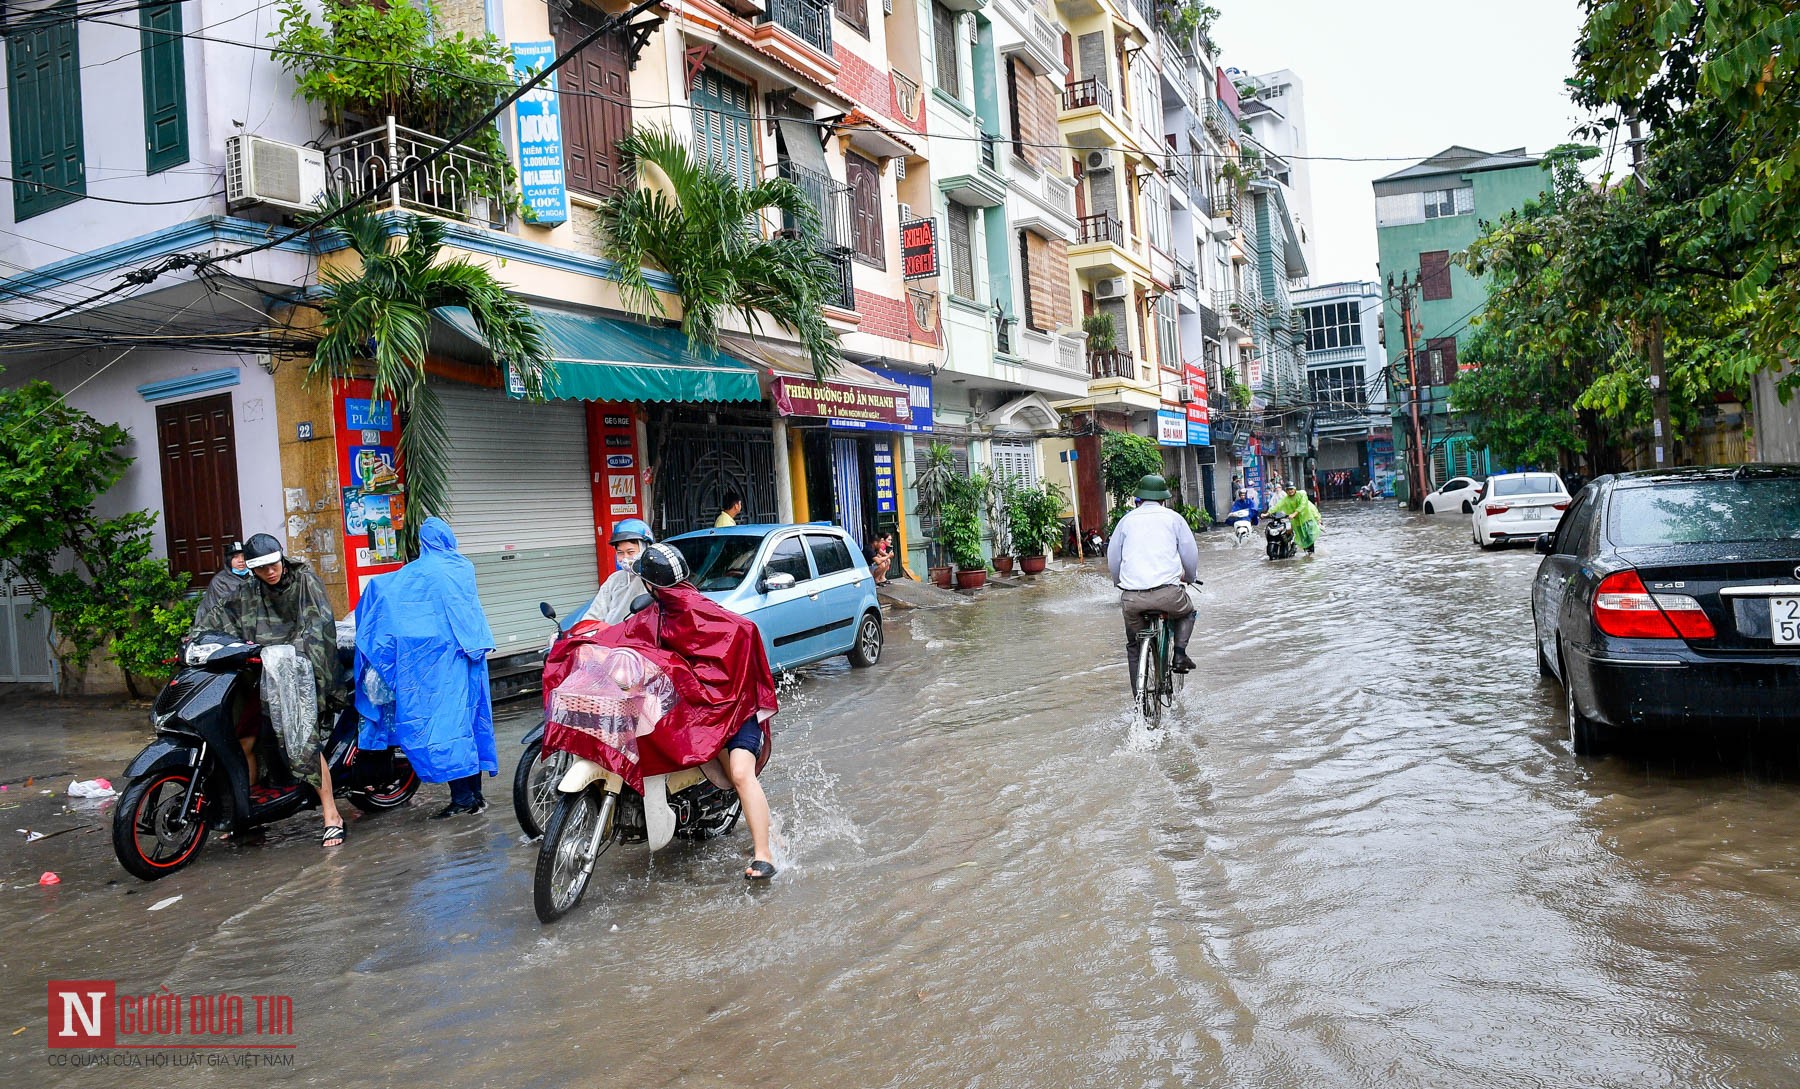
780	580
549	613
1546	543
640	603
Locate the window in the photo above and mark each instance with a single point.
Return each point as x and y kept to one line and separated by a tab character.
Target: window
1437	365
1156	213
1440	203
943	37
722	128
1168	333
1434	275
865	199
788	557
962	253
855	14
165	86
43	83
1333	325
718	563
830	554
1528	484
1338	388
1046	267
594	99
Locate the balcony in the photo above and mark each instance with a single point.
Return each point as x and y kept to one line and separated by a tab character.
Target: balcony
1187	276
808	20
1070	347
844	285
832	198
1097	229
1112	364
1217	120
1181	169
1087	94
457	186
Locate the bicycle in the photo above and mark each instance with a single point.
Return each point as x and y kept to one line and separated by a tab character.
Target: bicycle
1155	670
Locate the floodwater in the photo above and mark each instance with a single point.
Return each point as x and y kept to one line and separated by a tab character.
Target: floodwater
1359	854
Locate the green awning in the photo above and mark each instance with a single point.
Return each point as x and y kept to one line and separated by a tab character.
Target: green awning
607	359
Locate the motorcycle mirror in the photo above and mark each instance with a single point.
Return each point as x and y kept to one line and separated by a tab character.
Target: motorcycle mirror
641	602
1546	543
549	613
780	580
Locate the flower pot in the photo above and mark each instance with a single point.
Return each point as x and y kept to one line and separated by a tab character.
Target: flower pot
973	579
1003	564
941	576
1032	565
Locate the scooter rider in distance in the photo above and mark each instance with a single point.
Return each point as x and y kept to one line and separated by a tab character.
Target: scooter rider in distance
1152	555
1243	515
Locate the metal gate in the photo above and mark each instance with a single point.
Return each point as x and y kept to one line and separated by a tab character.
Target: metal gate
696	464
846	480
24	638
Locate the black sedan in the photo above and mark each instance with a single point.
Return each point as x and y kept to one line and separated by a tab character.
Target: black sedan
1671	599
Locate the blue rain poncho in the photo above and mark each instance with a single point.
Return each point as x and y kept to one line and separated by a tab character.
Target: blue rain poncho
421	663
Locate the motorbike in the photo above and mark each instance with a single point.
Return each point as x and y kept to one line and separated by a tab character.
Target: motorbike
1278	531
594	808
537	773
1240	531
193	778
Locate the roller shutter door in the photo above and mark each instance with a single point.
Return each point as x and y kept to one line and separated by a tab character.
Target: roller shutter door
521	507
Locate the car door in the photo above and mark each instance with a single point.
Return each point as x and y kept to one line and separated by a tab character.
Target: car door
842	580
1558	572
783	615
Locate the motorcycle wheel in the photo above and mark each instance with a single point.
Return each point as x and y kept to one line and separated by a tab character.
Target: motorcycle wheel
534	787
145	838
395	793
563	865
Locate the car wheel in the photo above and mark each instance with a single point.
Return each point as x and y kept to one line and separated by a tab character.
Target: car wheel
867	649
1468	507
1584	732
1429	509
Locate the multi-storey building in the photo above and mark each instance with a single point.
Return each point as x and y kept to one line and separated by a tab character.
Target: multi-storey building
1424	216
1274	107
1347	377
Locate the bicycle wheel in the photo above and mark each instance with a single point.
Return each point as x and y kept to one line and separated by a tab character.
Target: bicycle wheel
1171	680
1150	676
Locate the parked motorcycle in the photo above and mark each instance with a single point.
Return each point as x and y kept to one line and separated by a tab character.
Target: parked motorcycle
1278	531
193	777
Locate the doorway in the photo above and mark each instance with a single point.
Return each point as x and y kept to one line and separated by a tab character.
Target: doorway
202	513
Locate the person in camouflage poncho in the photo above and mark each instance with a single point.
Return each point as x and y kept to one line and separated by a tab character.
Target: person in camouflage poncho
286	603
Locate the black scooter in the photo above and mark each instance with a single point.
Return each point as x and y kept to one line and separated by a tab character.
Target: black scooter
193	777
1280	535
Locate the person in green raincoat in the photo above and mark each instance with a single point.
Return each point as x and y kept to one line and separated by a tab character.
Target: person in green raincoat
1302	513
286	603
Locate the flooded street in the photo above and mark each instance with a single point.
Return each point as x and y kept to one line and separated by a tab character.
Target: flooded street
1360	854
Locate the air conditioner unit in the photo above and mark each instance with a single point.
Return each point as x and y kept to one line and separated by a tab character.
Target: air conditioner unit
899	168
1185	395
1099	162
1112	287
974	30
887	7
905	210
273	174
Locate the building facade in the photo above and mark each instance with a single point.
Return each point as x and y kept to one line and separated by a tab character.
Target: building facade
1347	387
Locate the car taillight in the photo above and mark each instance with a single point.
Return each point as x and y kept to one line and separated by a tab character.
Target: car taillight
1624	608
1497	508
1564	505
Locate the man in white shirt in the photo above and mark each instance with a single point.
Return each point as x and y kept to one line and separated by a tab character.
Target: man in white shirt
1151	554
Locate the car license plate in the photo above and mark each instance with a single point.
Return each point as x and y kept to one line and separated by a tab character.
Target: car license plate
1784	619
1532	513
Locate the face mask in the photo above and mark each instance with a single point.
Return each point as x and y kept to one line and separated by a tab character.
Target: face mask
244	574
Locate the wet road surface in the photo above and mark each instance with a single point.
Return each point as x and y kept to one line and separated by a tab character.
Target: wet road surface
1360	854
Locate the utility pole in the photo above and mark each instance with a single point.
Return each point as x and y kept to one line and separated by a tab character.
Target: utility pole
1415	496
1659	380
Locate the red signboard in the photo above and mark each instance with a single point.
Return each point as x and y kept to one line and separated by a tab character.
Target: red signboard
1197	405
372	494
840	401
616	474
918	249
1228	96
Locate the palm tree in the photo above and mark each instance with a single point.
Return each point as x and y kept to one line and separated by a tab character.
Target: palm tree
705	231
377	323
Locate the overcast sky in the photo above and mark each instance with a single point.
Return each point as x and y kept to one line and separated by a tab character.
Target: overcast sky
1404	78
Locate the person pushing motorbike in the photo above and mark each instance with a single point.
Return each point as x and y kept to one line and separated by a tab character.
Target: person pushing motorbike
1305	516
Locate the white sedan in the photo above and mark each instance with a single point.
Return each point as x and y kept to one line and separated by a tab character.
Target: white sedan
1518	507
1456	494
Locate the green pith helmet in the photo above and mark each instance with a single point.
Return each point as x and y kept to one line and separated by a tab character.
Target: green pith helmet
1153	487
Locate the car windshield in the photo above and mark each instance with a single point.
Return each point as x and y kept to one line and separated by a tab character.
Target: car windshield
719	563
1526	484
1707	510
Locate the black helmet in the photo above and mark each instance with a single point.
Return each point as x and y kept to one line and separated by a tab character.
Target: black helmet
236	548
262	550
662	565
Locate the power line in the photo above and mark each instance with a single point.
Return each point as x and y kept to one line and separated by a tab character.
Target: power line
109	200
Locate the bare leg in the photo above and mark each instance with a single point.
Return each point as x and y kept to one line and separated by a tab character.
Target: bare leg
249	744
741	767
327	801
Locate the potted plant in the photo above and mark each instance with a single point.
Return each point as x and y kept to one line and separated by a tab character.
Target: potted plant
1101	332
1039	525
959	530
933	486
1001	493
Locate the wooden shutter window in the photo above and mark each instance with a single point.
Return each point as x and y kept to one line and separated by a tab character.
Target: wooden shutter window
855	13
943	35
165	86
1443	350
1434	275
865	196
594	96
962	254
722	125
43	79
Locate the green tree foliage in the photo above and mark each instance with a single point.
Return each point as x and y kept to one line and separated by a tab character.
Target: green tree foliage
1126	459
103	584
696	223
377	321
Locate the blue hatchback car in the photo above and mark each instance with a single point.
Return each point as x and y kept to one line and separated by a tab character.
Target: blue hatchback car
807	587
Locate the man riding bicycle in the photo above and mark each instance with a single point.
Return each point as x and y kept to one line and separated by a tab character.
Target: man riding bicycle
1151	555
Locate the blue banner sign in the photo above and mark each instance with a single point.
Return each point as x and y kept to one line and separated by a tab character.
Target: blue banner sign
884	476
541	188
361	414
918	388
1199	434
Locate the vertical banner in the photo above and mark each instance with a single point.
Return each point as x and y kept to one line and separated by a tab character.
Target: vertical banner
616	472
372	493
884	476
1199	412
541	189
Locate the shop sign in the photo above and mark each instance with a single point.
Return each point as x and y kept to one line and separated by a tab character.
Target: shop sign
362	414
618	484
371	489
840	401
1171	428
884	476
541	189
1199	414
918	249
918	398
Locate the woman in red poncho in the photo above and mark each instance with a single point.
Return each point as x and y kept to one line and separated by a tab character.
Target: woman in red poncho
725	687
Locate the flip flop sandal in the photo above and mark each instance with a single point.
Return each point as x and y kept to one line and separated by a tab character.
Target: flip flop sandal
333	832
759	871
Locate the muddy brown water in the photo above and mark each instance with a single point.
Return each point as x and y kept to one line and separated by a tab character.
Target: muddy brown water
1360	854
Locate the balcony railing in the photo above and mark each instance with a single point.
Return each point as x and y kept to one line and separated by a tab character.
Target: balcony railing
832	198
990	156
1181	168
1225	203
1103	227
845	286
909	104
808	20
1086	93
1216	118
1187	277
1069	351
1112	363
1197	192
451	187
